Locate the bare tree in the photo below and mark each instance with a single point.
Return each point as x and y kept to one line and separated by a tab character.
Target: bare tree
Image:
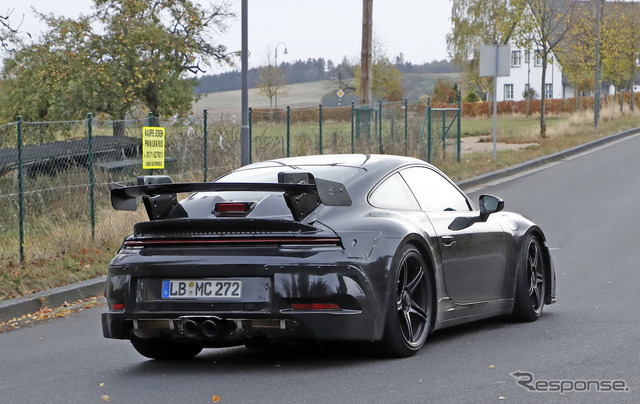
271	81
7	31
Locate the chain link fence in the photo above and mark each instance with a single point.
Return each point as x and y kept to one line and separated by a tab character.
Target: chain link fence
54	176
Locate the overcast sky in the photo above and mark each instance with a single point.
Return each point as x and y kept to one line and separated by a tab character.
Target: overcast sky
331	29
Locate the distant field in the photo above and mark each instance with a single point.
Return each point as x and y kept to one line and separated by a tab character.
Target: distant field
297	95
310	94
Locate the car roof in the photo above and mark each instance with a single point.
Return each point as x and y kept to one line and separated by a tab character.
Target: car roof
353	160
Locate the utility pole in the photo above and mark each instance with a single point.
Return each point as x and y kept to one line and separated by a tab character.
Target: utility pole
596	94
367	50
245	142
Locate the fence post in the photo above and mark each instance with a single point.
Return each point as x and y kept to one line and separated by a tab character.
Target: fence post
406	131
91	177
204	162
352	127
459	97
320	127
428	130
380	127
20	191
288	130
250	131
444	132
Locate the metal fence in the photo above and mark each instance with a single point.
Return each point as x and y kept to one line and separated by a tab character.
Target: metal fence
54	176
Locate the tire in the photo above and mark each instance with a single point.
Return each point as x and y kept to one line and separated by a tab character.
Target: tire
165	350
410	305
530	282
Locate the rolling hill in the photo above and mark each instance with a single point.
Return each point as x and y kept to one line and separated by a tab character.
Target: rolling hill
310	94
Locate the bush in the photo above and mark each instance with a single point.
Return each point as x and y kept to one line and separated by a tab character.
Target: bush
472	97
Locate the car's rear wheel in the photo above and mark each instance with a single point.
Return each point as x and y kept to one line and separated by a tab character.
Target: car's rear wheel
165	350
530	286
410	304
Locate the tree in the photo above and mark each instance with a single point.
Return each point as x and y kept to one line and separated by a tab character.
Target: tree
270	82
476	23
619	44
576	50
44	81
141	56
386	83
444	92
7	31
542	26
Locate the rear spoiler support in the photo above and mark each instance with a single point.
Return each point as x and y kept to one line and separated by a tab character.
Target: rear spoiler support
302	192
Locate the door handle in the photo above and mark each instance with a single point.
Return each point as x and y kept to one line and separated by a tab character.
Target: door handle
448	241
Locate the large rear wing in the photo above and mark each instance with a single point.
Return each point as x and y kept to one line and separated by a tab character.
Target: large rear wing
302	192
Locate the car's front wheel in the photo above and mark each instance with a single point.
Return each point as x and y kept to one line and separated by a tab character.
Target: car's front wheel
165	350
410	305
530	283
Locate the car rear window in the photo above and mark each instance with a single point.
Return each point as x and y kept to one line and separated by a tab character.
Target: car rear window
341	174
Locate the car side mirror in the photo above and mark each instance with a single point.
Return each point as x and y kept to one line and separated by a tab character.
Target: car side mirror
490	204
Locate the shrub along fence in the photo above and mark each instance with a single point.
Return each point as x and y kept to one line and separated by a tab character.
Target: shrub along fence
54	176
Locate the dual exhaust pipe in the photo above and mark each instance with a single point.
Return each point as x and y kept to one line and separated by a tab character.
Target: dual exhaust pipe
209	328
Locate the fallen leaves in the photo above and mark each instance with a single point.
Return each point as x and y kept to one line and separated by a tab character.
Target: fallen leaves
49	313
215	399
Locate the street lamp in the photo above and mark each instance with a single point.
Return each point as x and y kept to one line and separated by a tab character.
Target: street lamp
276	63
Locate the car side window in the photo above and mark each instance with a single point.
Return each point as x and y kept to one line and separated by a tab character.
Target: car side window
393	193
433	192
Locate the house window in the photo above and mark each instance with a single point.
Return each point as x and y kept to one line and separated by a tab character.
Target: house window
527	56
548	90
508	91
515	58
537	59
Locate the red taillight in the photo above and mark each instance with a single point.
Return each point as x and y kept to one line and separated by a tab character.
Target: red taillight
315	306
117	306
232	208
300	241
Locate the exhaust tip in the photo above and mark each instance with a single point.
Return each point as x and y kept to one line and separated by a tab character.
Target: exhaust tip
190	328
209	328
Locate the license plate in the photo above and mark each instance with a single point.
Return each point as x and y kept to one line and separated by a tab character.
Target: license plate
201	289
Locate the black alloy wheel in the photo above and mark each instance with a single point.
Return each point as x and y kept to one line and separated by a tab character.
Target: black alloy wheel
409	319
530	289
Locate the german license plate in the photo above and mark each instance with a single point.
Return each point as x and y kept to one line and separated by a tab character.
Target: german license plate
201	289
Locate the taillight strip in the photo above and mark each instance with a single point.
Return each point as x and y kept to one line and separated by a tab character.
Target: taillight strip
296	241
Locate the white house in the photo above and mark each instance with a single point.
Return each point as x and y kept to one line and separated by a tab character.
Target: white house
525	73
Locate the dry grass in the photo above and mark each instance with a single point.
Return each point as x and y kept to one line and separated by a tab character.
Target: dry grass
563	132
60	249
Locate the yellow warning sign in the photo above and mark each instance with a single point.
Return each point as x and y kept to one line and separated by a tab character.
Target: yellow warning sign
152	147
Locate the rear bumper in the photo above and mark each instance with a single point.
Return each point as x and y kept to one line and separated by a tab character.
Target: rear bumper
268	307
237	328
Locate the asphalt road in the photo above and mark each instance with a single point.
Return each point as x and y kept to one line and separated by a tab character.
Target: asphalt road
588	206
